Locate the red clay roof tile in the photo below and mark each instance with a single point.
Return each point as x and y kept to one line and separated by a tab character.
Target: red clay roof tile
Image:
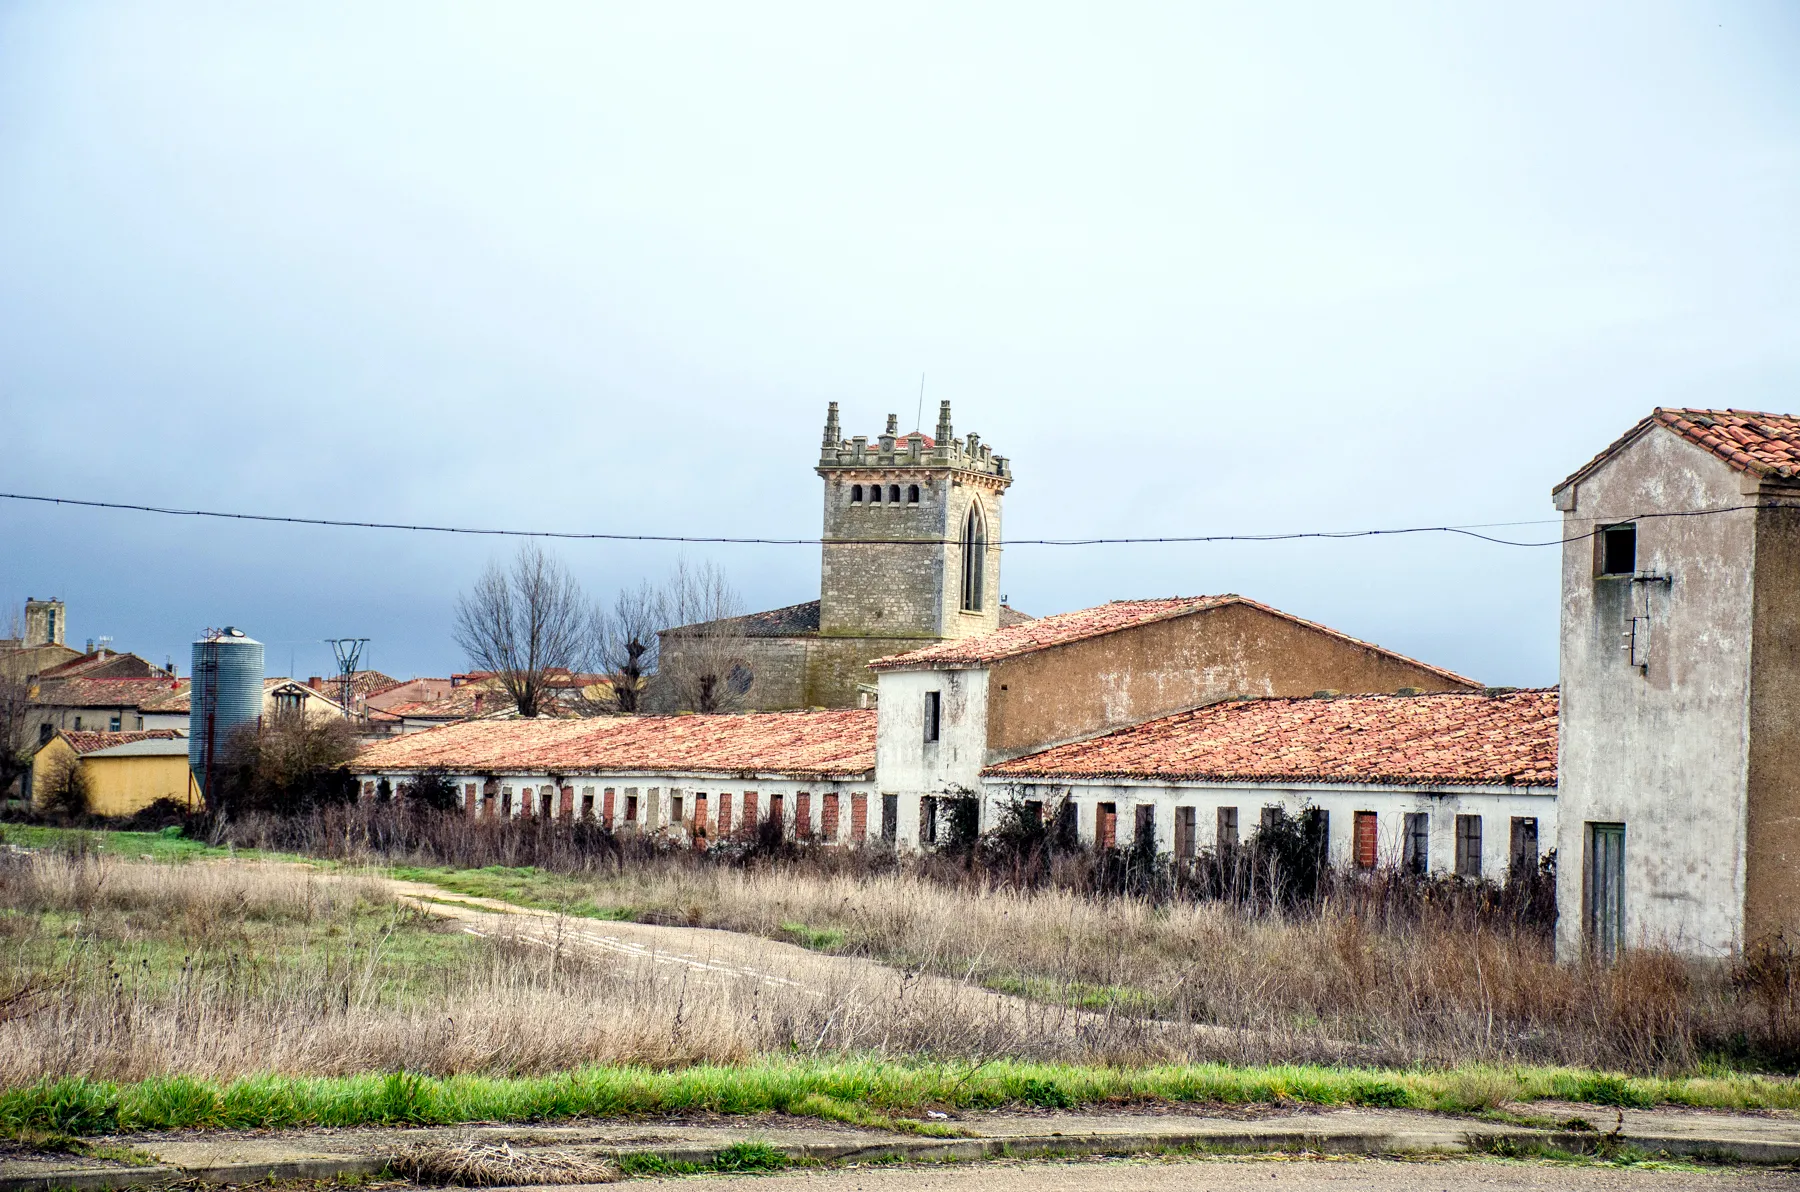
836	744
146	695
1445	739
89	742
1762	444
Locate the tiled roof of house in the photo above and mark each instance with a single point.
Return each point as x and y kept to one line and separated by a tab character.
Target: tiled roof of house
146	695
1445	739
837	744
85	743
1063	628
1010	616
104	664
1764	445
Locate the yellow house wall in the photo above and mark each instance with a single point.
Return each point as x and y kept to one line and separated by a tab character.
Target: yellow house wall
123	785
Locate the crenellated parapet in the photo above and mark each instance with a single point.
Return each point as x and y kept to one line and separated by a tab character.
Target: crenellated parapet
891	449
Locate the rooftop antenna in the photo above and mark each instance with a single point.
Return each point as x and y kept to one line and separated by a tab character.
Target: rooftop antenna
919	413
349	653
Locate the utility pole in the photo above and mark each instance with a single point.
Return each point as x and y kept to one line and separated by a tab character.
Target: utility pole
349	652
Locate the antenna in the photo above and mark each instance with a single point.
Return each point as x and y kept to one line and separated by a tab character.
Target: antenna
920	411
349	652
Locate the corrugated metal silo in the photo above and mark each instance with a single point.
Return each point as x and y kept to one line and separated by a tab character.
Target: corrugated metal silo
227	689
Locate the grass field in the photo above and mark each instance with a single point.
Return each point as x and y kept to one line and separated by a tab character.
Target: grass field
144	982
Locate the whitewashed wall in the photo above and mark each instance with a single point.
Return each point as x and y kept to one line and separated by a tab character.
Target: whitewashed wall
908	766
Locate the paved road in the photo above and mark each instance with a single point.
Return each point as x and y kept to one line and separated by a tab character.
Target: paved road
1243	1175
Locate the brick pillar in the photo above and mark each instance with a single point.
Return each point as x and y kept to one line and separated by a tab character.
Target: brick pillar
803	815
828	817
568	802
724	814
859	817
606	808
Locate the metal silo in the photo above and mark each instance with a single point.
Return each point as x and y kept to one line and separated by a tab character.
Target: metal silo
226	686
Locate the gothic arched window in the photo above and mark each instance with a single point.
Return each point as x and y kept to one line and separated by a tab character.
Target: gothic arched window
912	494
974	560
893	494
875	493
856	494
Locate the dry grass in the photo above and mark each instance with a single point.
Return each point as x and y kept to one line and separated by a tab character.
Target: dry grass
497	1165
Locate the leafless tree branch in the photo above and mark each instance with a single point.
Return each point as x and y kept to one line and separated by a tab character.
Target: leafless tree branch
522	623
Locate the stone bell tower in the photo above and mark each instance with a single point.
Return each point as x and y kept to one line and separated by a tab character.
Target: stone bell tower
912	533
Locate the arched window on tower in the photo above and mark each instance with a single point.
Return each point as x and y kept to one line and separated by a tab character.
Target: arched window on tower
875	494
856	494
912	494
893	494
974	560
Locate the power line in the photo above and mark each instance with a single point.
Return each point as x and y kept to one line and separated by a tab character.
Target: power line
1468	531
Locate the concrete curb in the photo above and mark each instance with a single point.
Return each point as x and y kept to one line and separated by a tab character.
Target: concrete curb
82	1178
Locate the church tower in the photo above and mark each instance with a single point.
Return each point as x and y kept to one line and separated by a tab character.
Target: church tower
911	533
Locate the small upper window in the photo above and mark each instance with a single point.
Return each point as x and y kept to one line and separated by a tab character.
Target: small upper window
875	493
912	494
855	494
893	494
1618	550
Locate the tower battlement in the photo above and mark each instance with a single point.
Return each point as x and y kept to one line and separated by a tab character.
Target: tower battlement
891	449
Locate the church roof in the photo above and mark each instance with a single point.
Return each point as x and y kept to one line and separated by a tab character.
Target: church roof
1764	445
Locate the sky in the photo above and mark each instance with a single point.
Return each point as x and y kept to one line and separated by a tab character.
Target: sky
1195	268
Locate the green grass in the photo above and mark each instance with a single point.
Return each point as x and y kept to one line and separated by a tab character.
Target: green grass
521	886
819	939
158	846
869	1091
1082	995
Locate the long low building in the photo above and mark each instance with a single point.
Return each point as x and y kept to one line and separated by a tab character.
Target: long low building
1451	782
701	776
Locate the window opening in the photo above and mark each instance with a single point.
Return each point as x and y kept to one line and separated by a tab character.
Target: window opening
1618	549
1365	839
890	817
1225	831
587	804
675	811
856	494
928	826
1184	832
1415	855
974	560
1106	825
1144	829
1522	856
912	494
875	494
893	494
1468	846
631	807
933	710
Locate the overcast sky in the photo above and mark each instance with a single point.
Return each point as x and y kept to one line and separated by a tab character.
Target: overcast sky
1196	268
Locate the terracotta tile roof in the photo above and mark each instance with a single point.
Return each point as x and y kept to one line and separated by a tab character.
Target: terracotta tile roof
146	695
837	744
1063	628
1446	739
1764	445
1010	616
86	742
104	664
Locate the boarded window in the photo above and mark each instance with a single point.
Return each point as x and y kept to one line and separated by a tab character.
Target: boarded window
1468	846
803	814
699	813
631	806
1271	817
933	708
724	813
749	811
1618	550
1415	852
828	817
567	808
1522	850
859	816
1185	844
606	806
469	797
1225	831
1144	829
890	817
1106	825
547	801
1364	839
777	811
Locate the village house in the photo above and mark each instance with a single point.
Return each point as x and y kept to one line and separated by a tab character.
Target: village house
952	710
1680	668
1454	782
288	697
123	772
108	705
911	556
687	776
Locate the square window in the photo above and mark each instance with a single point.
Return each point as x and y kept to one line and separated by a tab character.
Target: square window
1618	550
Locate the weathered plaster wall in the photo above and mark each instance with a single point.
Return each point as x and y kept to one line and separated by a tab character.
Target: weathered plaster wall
905	763
1495	805
1124	678
1663	750
1772	834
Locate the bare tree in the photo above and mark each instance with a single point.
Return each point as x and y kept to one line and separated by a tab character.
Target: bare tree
523	622
704	666
628	644
18	715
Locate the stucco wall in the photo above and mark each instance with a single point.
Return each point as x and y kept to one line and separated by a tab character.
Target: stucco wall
1496	805
1124	678
1664	750
1772	831
909	766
